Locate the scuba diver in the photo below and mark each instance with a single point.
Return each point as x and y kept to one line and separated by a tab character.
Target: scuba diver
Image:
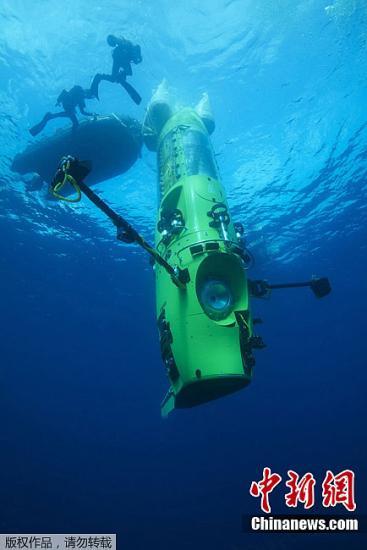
69	100
124	53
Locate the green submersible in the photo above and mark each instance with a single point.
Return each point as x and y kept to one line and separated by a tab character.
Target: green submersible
206	332
202	292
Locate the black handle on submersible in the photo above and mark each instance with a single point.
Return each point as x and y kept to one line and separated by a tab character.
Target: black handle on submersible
320	286
131	235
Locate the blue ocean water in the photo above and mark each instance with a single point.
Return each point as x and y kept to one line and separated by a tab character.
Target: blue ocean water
83	446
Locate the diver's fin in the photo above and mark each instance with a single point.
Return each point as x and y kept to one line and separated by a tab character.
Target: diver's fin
168	404
94	86
37	128
132	92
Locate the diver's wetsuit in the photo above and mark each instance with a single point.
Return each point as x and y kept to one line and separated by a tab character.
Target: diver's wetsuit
124	53
69	100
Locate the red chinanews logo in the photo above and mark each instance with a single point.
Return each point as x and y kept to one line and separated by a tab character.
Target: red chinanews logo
336	489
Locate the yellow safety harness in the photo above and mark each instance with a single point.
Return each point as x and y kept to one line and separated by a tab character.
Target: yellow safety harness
67	179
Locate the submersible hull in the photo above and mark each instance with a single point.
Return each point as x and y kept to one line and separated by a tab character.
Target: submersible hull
205	328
